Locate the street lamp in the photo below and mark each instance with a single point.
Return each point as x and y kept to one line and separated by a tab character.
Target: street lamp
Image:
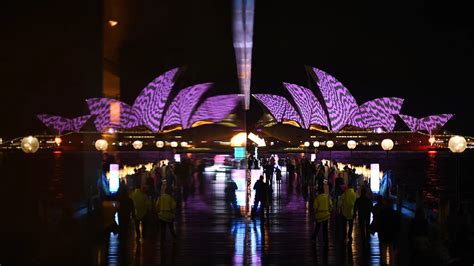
351	144
387	145
457	145
184	144
30	144
137	144
101	145
330	144
174	144
160	144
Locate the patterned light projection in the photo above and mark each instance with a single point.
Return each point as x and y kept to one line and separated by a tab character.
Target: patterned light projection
104	110
310	109
151	102
378	113
62	124
216	108
340	104
179	112
430	124
279	107
243	13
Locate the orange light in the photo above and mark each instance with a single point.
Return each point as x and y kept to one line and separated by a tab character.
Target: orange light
113	23
58	140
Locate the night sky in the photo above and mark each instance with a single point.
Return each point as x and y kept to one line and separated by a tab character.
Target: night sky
416	50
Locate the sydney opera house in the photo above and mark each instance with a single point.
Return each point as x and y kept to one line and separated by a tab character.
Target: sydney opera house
326	112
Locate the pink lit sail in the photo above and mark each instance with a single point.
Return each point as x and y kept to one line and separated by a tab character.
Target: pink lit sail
340	104
279	107
378	113
101	108
151	102
179	112
216	108
311	111
430	124
61	124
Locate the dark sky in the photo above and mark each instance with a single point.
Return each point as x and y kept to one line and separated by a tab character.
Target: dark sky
421	51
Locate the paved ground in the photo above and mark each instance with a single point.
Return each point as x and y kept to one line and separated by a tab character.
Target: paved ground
210	235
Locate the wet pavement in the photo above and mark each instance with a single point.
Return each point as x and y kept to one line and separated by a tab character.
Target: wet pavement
209	234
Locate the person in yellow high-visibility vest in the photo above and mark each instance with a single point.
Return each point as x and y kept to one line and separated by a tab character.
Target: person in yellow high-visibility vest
348	199
322	209
166	206
142	206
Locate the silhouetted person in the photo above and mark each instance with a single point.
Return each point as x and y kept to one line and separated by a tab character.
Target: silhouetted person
261	192
421	245
142	206
126	211
348	199
166	206
322	209
269	170
362	209
388	227
290	167
230	197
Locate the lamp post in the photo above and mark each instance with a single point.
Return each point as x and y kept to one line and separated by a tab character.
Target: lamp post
316	146
29	144
101	144
457	145
330	144
387	145
351	144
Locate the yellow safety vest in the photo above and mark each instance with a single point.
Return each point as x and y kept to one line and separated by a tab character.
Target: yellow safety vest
322	207
166	205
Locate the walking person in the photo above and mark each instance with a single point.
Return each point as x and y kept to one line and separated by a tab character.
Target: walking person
322	208
347	209
388	228
142	206
362	209
166	206
126	211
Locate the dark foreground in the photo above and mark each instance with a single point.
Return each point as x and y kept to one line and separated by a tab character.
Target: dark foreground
208	234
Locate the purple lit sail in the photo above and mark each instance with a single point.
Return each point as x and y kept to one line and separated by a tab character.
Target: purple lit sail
310	109
340	104
183	104
61	124
123	116
378	113
216	108
434	123
151	102
430	124
279	107
410	121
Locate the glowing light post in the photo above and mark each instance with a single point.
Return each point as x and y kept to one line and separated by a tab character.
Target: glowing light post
351	144
316	146
29	144
330	144
387	145
306	146
457	145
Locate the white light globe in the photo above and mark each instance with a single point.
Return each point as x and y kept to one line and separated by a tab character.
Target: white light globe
306	144
387	144
457	144
29	144
316	144
101	145
184	144
160	144
329	143
137	144
351	144
174	144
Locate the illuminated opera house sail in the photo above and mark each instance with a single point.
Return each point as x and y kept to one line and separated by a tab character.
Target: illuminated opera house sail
153	109
339	109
